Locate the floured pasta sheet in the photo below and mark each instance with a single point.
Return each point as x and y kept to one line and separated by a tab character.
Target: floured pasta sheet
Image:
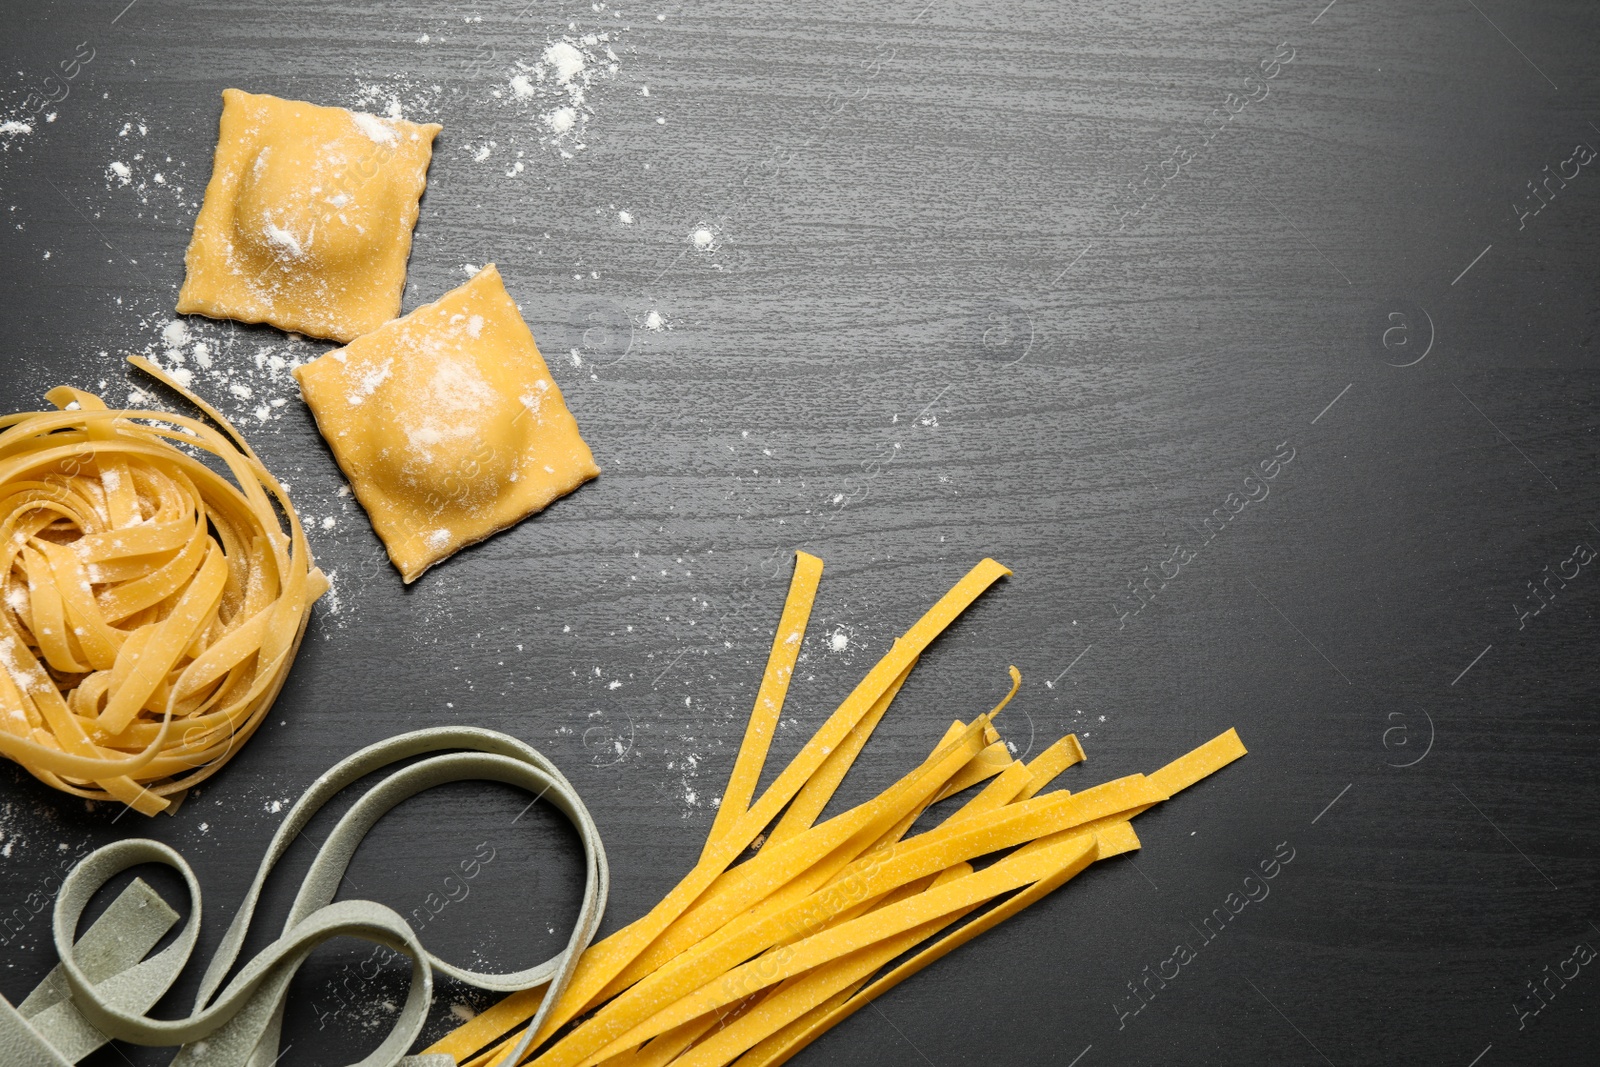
447	423
307	218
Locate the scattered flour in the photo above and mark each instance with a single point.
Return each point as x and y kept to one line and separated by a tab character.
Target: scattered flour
565	61
247	376
560	84
561	119
154	178
395	97
376	130
284	240
369	383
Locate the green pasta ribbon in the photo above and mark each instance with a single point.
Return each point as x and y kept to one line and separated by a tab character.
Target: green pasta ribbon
104	986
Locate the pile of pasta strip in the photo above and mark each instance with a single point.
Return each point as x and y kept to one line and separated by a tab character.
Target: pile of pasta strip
749	963
149	606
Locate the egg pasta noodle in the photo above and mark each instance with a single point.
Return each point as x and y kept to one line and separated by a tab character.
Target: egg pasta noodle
746	963
150	607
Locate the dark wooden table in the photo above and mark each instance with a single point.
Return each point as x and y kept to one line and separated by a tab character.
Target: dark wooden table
1045	282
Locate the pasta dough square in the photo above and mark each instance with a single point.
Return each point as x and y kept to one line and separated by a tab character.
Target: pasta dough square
447	423
307	219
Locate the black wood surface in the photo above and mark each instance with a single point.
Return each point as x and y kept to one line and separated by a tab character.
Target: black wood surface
1020	280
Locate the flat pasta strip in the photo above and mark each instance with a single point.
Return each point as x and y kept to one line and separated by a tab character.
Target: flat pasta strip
770	696
1210	757
1052	761
792	869
752	962
798	1035
1010	873
820	787
605	960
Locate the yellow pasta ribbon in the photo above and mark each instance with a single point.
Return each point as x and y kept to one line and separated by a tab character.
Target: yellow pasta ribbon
1051	762
749	963
783	1043
769	698
1019	869
605	960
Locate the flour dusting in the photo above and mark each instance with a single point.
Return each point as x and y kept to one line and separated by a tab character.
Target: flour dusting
376	130
560	85
152	177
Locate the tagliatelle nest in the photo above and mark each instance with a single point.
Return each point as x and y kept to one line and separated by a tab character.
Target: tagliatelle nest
151	607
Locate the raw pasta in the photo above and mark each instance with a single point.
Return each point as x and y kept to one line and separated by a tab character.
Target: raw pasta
750	963
151	607
307	217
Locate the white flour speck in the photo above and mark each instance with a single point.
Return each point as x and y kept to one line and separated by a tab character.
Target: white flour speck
283	240
565	60
377	130
369	383
562	83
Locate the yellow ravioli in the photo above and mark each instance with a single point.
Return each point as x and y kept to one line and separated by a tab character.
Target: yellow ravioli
447	423
307	218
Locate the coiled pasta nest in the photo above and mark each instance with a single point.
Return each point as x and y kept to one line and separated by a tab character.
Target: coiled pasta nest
150	606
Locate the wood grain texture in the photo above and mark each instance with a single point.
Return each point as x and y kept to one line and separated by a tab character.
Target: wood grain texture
949	310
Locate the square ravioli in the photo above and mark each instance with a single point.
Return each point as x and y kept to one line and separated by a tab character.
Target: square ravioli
447	423
307	219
